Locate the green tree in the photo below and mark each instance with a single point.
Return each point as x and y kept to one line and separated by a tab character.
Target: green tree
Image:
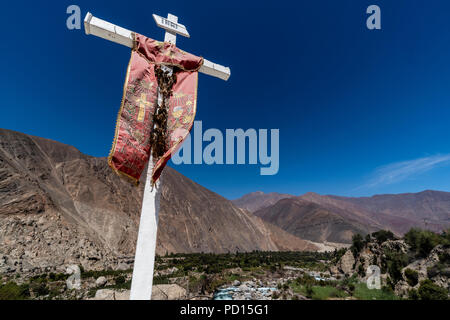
309	291
422	242
120	280
428	290
12	291
412	277
357	244
361	271
383	235
413	295
393	262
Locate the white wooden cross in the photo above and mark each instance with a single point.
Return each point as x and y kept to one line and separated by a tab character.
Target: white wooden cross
141	284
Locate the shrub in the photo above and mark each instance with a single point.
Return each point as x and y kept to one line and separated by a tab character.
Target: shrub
361	271
357	244
413	295
412	277
39	288
387	290
348	281
426	244
105	273
434	270
444	258
393	263
351	287
12	291
211	269
383	235
337	254
306	279
430	291
58	276
390	283
422	242
309	291
446	236
120	280
161	280
198	284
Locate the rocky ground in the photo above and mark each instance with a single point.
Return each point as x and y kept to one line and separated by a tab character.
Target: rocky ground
401	267
195	276
36	244
159	292
406	271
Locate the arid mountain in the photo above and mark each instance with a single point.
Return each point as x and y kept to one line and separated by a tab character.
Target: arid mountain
195	219
258	200
59	206
313	221
335	219
428	209
396	212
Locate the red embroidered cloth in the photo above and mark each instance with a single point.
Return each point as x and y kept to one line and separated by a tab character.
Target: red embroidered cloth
131	147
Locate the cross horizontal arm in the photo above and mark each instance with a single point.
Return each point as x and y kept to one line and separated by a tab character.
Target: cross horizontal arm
111	32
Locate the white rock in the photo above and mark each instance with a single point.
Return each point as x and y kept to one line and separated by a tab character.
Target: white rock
108	294
100	281
168	292
346	263
123	266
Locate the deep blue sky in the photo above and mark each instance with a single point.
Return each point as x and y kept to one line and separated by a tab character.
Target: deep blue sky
360	112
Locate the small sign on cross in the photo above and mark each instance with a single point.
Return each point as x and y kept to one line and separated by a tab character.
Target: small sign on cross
171	25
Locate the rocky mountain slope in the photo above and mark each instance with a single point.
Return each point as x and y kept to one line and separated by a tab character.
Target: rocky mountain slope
403	267
428	209
397	212
312	221
331	218
59	206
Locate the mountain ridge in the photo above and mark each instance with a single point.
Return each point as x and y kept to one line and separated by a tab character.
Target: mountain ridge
256	200
427	209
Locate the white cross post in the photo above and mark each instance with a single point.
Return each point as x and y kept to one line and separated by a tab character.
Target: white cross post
141	284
